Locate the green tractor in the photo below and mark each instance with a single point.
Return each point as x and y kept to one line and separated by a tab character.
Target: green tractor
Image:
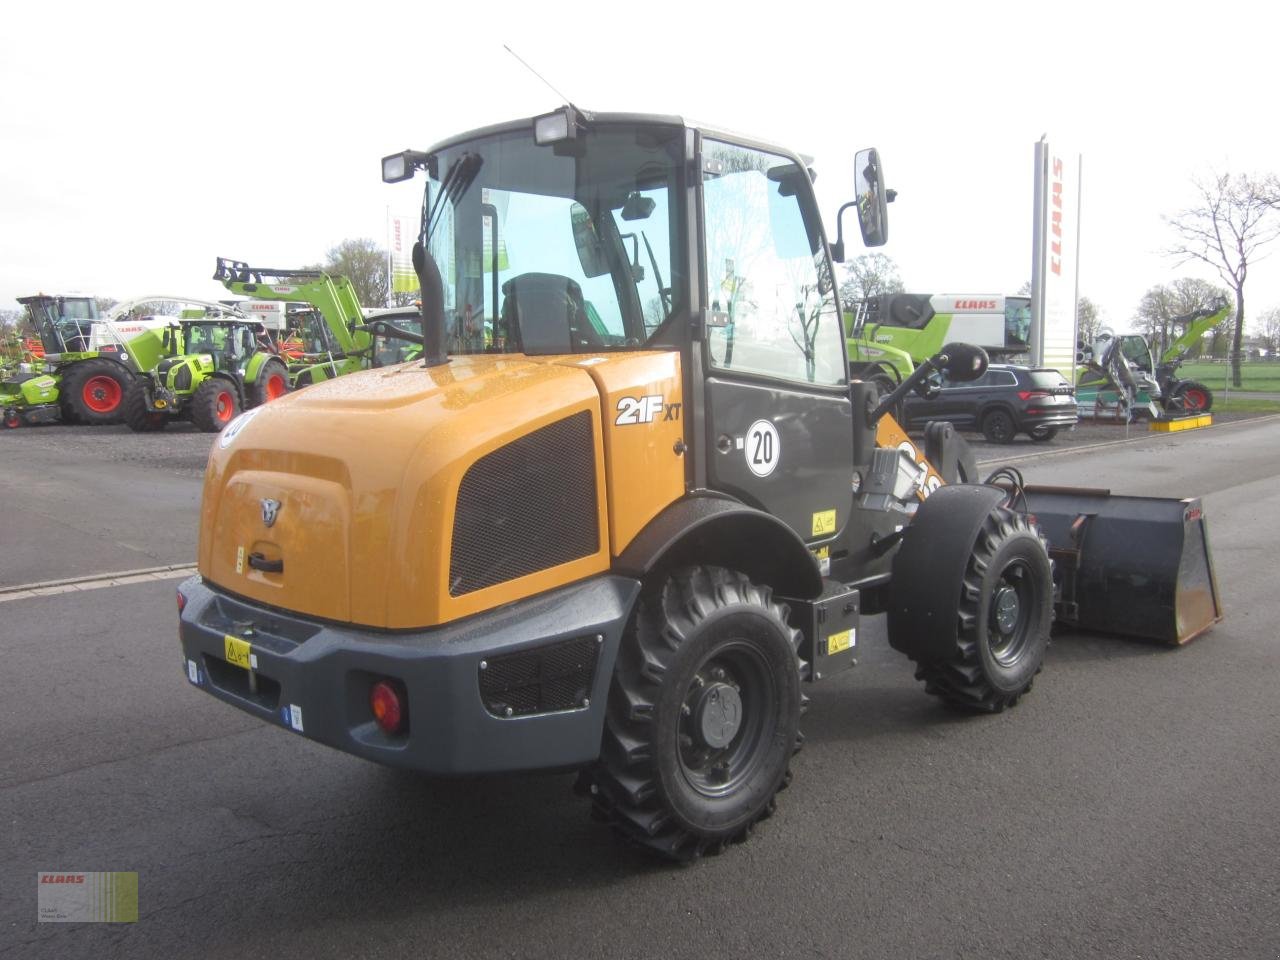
89	361
221	365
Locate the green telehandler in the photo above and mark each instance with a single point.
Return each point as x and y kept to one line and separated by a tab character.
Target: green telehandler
349	337
1120	374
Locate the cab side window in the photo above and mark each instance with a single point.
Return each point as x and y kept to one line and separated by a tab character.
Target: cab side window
772	303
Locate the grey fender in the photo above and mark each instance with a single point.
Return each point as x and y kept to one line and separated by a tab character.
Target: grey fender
717	531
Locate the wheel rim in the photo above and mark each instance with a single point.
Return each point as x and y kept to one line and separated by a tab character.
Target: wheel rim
226	406
724	719
11	419
1001	429
1194	400
101	394
1009	613
275	386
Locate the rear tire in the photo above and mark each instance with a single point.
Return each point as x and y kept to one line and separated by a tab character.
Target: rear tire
272	383
214	404
1043	434
1191	397
12	418
138	416
997	426
703	715
94	391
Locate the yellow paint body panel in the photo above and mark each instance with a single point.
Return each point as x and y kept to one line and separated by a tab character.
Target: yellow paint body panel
645	473
1184	423
366	469
891	436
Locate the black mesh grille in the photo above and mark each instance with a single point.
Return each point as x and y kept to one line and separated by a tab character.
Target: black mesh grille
543	680
525	507
182	379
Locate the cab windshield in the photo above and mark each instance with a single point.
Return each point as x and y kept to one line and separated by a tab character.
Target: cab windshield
227	343
571	248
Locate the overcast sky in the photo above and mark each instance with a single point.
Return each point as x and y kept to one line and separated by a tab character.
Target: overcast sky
142	141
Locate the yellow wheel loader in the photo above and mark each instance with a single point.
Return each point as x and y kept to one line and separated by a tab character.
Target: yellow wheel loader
641	506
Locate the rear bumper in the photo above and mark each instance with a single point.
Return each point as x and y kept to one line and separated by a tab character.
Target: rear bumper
314	678
1059	416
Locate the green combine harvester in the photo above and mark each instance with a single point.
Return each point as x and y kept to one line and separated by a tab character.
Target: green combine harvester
219	363
89	361
889	335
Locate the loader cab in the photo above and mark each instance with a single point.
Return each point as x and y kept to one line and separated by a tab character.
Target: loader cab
584	235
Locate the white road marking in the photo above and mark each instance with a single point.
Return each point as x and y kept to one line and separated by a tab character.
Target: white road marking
98	581
1146	435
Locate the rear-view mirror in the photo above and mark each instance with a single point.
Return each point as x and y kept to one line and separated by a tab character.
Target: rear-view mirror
873	217
591	252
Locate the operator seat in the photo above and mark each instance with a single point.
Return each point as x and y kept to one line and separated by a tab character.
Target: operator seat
545	313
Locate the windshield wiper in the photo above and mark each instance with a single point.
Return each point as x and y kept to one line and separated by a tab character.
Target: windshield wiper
456	180
663	291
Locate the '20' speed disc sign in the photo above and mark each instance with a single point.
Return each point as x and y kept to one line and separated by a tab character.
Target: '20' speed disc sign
762	448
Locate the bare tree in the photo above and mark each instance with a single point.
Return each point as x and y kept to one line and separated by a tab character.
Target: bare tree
868	276
1268	327
364	263
1232	220
1088	319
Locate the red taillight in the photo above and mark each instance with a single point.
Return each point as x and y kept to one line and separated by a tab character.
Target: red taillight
182	602
1033	394
387	704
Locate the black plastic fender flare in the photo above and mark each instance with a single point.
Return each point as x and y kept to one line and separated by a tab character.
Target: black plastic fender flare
719	531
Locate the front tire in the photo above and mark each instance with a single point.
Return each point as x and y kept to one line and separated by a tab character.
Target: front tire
214	404
138	415
1043	434
978	641
94	391
703	715
997	426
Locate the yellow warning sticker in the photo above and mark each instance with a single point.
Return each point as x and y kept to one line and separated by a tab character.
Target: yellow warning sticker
839	642
824	522
237	652
240	560
823	556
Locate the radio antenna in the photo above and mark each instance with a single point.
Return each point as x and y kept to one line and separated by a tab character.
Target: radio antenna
540	77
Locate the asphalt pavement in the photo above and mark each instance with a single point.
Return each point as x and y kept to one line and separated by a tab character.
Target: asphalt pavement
1124	808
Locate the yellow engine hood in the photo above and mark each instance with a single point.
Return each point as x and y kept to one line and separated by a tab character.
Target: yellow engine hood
361	475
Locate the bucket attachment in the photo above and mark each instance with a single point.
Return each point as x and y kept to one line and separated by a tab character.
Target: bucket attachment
1138	566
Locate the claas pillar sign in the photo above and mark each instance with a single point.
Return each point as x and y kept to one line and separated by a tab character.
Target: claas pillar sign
627	504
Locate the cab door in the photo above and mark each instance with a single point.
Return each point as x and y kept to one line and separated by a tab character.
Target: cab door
778	416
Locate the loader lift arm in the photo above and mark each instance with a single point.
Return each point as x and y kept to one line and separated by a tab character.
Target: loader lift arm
1199	322
334	297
